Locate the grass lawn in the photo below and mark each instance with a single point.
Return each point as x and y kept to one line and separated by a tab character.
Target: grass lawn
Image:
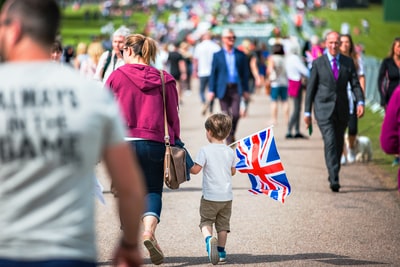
75	28
378	42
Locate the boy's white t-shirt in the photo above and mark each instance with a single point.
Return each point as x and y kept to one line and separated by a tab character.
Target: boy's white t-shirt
54	127
216	161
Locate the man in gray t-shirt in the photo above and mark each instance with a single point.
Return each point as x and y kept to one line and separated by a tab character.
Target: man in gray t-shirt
54	127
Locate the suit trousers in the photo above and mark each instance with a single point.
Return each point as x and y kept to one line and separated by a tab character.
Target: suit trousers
353	122
230	104
332	131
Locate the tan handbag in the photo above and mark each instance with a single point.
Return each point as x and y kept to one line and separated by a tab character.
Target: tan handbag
175	157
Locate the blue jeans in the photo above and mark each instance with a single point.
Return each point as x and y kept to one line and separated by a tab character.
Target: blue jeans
203	86
150	155
47	263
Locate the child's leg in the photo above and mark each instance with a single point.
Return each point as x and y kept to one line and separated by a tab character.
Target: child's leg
207	230
222	225
222	237
208	212
211	244
207	219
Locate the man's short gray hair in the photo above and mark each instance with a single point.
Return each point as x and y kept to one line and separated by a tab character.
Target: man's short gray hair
122	31
227	31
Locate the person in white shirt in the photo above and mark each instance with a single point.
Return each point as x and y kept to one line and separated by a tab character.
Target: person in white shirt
276	73
111	60
202	60
295	71
347	48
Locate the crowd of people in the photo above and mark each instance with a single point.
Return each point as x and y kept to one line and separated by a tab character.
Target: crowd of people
127	131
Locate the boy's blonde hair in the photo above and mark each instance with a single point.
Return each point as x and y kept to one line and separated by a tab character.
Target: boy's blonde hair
219	124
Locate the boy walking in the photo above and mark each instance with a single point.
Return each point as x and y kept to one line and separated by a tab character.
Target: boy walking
217	161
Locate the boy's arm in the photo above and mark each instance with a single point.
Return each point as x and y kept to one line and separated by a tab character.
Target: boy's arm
195	169
233	171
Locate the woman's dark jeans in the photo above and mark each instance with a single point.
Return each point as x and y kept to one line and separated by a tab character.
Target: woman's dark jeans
150	155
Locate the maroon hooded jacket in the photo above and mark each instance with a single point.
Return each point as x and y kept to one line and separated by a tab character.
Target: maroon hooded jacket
138	91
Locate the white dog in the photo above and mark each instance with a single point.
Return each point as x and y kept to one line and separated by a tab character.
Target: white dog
363	149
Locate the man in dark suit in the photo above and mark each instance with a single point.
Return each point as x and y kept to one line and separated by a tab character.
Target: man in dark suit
326	90
229	79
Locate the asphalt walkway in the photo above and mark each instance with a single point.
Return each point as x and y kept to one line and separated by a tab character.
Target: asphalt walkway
359	226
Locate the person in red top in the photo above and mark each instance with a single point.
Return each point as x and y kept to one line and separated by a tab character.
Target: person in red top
390	132
138	89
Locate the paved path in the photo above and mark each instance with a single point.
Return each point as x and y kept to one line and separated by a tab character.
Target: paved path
357	227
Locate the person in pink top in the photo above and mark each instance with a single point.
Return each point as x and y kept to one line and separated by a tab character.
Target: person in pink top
390	132
315	51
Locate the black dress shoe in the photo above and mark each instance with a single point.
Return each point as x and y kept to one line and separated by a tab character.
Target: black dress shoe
288	136
299	135
335	187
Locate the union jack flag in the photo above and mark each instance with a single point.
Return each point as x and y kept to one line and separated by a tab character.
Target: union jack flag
259	158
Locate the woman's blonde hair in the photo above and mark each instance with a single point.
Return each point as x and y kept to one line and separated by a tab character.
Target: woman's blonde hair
142	46
95	50
81	48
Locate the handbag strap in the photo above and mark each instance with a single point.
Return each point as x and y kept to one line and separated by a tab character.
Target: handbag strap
166	137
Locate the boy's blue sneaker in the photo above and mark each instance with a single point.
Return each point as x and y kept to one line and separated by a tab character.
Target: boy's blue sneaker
222	256
212	250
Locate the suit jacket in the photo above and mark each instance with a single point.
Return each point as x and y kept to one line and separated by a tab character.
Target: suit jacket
219	73
326	93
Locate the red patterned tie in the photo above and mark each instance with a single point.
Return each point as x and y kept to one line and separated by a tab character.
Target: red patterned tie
335	69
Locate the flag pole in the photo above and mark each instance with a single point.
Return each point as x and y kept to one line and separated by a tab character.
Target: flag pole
237	141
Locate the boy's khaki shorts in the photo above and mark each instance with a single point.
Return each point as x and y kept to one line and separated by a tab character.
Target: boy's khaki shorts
215	212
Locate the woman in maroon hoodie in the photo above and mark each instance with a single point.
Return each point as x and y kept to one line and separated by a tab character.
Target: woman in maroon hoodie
137	87
390	132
